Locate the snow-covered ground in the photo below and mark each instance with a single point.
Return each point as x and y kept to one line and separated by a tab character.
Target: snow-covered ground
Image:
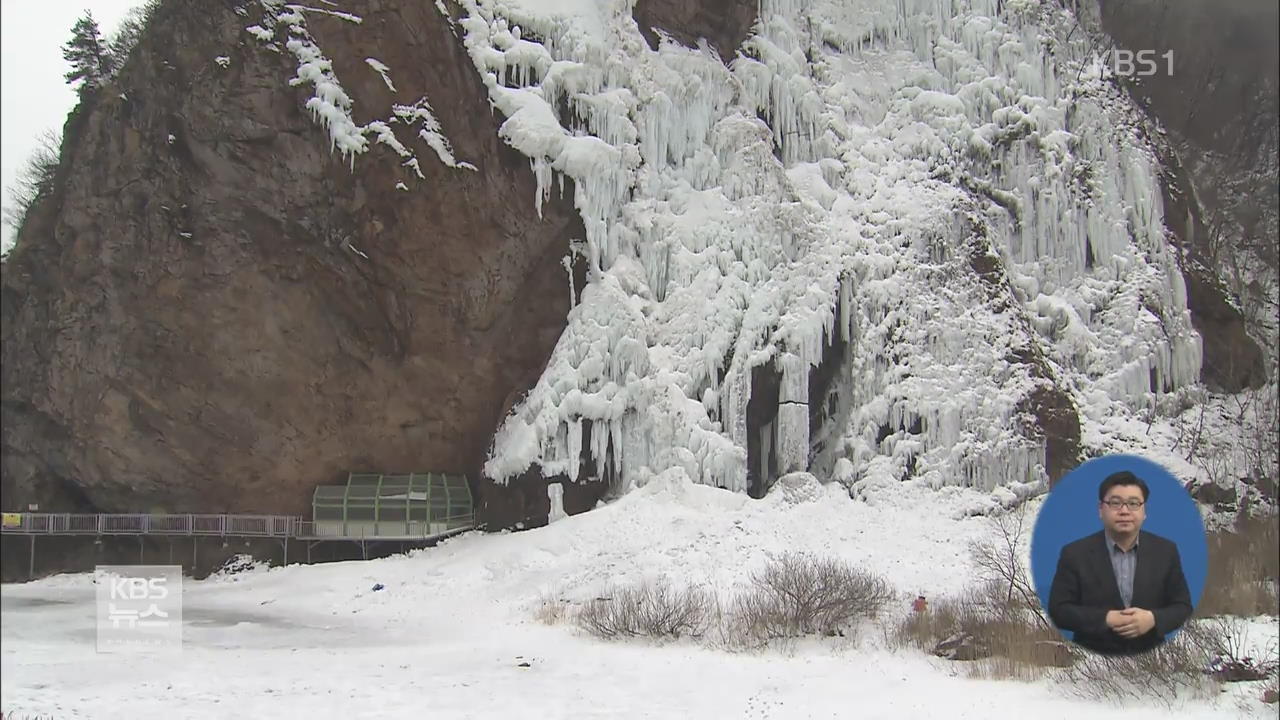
447	635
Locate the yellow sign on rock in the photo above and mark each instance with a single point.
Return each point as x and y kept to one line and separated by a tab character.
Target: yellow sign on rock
12	519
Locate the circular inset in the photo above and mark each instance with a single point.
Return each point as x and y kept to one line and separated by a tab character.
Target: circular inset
1119	573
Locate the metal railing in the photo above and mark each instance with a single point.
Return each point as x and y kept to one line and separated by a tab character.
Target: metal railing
278	526
271	526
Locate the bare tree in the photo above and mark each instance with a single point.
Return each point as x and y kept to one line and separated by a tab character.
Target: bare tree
34	180
999	563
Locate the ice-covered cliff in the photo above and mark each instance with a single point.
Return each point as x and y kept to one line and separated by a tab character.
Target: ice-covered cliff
541	241
828	197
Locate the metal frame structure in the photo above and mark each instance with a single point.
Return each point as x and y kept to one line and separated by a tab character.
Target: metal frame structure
369	508
374	506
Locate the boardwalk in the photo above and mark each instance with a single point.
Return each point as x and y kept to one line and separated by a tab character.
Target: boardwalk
281	528
243	526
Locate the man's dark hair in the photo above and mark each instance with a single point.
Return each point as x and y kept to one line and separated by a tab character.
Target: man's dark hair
1124	477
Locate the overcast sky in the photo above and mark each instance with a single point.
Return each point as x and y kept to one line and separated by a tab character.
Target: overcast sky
33	93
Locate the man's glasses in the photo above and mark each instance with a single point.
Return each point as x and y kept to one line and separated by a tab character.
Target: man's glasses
1133	505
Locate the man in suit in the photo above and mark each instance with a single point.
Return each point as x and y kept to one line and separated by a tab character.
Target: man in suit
1121	590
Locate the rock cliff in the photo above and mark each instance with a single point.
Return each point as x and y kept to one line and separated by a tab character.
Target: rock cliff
217	312
231	296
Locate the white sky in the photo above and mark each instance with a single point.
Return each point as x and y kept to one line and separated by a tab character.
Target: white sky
33	95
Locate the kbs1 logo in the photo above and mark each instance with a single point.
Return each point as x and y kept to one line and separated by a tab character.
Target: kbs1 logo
1139	63
139	608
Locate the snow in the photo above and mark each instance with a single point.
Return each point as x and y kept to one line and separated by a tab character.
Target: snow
331	106
453	623
261	33
333	13
430	132
382	70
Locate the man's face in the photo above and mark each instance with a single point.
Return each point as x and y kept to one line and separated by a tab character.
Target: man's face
1117	515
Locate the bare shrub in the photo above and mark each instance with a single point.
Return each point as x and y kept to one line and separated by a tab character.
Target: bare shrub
654	609
1172	671
1225	642
1244	569
799	595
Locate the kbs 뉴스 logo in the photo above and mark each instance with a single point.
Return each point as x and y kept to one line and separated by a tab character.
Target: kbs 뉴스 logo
139	608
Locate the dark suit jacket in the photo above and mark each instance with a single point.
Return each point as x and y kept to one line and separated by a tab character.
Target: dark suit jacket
1084	589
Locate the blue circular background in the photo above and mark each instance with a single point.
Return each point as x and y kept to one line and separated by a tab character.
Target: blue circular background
1070	512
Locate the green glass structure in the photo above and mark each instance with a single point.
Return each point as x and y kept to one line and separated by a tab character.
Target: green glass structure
378	506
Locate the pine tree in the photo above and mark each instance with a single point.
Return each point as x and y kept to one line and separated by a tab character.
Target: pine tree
88	54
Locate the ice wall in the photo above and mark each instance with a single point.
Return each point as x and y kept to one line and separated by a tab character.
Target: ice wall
862	149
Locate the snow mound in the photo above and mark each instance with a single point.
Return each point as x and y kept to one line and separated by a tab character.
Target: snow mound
796	488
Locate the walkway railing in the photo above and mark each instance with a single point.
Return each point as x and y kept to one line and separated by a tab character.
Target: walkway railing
268	526
282	528
276	526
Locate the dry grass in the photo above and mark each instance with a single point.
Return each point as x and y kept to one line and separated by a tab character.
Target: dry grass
1010	643
1244	569
551	610
944	618
1006	633
654	609
799	595
1024	653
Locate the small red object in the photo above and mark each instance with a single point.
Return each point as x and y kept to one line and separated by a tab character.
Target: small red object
920	604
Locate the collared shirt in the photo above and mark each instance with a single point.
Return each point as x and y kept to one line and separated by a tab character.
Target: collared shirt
1125	564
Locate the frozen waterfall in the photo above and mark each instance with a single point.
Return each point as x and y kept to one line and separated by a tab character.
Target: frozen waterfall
832	183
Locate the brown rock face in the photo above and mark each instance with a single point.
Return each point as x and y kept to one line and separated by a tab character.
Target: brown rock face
1222	498
1232	359
1057	422
724	24
216	313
